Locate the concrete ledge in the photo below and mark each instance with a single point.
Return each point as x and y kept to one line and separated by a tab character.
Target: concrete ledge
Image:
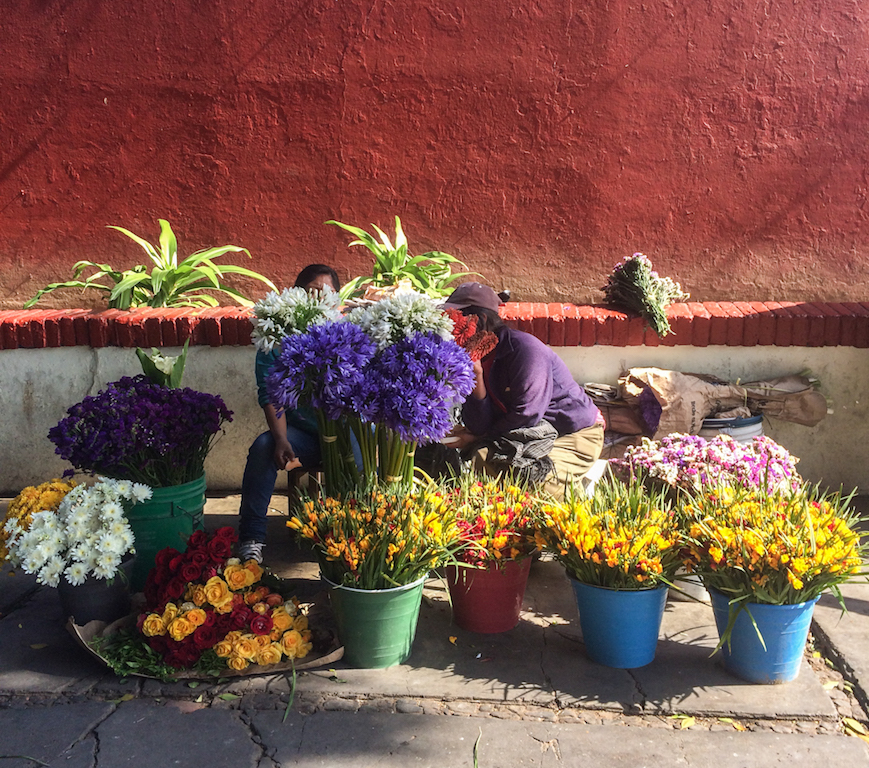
697	324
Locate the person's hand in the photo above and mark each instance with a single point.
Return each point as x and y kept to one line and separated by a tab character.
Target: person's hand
459	437
284	454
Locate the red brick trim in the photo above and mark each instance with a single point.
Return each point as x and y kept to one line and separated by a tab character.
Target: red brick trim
735	324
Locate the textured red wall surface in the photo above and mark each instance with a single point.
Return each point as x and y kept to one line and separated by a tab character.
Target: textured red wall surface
540	142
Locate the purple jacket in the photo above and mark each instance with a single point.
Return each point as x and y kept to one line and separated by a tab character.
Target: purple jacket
534	385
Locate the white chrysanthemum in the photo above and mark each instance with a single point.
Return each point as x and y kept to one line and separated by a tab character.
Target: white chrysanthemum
111	512
105	571
49	575
79	552
12	526
75	574
46	549
123	488
141	492
394	318
111	543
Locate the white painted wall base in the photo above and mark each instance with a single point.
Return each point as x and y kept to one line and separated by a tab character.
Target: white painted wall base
38	385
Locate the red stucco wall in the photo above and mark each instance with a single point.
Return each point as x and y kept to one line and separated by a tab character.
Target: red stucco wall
539	141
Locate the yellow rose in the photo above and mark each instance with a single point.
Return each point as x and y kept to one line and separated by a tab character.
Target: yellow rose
262	640
246	646
300	623
237	662
195	616
255	570
270	654
223	649
291	643
197	594
169	613
217	592
153	626
237	577
179	628
260	608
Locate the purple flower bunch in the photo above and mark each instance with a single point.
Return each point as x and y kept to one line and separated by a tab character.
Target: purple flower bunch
414	385
143	432
693	463
323	368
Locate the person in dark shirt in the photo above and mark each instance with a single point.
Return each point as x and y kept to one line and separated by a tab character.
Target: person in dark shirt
291	437
526	412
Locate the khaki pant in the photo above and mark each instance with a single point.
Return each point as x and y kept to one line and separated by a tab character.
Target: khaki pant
573	456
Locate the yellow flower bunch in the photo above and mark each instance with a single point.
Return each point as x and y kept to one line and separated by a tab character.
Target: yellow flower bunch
621	537
379	538
782	548
35	498
495	519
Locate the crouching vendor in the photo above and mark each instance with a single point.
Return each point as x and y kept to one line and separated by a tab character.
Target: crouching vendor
526	413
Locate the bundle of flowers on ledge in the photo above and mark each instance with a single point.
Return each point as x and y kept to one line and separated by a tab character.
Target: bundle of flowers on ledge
378	538
495	520
624	536
140	431
390	374
691	463
207	612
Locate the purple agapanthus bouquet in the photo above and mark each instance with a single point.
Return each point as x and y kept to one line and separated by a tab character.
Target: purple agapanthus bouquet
139	431
390	395
693	463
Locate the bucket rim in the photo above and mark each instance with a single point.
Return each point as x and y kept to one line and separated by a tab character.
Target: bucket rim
794	606
402	588
616	589
747	421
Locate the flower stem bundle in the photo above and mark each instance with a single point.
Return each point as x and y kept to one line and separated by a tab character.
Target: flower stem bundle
633	285
622	537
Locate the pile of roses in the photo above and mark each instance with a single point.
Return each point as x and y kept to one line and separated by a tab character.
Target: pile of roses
205	601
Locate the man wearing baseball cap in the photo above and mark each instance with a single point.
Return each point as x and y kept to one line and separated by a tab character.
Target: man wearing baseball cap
525	411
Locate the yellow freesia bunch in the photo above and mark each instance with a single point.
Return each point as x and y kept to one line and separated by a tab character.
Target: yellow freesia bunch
787	547
35	498
622	537
377	538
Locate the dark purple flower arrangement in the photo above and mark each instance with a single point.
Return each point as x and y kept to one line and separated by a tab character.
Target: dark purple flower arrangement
140	431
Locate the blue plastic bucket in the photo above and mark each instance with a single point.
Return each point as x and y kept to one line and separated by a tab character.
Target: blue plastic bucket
620	626
784	629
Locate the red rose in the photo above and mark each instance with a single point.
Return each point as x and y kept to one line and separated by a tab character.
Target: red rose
174	589
196	540
226	532
165	556
241	615
261	624
189	572
210	619
219	549
200	557
175	563
205	637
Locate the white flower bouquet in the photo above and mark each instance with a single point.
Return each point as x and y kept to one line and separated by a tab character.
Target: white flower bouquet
400	316
291	311
88	535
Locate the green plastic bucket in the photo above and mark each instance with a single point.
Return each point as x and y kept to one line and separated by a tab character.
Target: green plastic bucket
376	626
165	520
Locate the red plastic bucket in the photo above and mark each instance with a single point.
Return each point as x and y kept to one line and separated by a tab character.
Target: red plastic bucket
488	600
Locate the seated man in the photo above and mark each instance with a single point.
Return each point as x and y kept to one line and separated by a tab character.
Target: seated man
291	436
526	413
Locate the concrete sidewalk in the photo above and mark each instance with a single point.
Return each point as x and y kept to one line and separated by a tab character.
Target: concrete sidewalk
527	697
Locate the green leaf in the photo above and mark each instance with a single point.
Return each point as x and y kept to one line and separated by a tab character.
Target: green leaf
228	696
168	245
152	252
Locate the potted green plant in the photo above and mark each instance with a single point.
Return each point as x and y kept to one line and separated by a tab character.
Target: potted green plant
429	273
169	284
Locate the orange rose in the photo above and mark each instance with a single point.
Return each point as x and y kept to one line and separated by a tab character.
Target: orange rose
237	662
256	572
196	616
273	599
281	619
217	592
275	635
153	626
270	654
179	628
223	649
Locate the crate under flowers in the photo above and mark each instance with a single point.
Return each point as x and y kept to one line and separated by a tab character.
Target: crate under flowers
206	614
